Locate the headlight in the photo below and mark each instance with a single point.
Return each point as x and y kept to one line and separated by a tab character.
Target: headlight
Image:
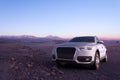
86	48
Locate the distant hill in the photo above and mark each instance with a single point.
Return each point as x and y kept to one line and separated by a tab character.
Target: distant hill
111	41
27	38
54	37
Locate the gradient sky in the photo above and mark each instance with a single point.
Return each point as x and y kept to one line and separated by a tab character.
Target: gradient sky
64	18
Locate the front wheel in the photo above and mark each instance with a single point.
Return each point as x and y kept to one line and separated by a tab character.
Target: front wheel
96	63
105	59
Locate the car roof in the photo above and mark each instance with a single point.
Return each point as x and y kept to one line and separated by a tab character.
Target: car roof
85	36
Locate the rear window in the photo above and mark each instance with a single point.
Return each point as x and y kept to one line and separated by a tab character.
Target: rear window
83	39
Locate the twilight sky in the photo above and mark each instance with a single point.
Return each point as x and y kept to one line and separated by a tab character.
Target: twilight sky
64	18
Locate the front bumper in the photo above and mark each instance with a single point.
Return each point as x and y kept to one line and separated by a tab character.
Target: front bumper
79	57
79	60
74	62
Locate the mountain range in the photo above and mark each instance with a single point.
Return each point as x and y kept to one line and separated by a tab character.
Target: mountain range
41	39
31	38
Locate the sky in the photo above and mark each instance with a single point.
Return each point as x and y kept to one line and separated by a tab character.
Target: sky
63	18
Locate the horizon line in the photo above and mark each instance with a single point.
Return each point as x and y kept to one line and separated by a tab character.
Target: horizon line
50	36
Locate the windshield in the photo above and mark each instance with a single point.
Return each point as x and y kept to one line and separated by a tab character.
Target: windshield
83	39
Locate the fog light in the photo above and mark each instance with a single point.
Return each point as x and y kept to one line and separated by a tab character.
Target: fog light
84	58
87	59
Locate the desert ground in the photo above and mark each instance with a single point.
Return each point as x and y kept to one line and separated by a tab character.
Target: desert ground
32	61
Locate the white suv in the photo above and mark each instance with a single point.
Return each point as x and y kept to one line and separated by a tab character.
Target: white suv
81	50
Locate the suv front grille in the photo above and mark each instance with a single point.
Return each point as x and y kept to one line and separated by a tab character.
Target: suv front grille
65	52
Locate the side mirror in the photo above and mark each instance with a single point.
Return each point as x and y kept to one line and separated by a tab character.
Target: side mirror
100	42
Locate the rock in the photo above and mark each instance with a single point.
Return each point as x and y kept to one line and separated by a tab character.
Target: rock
61	72
36	78
47	74
16	67
41	78
60	77
30	65
12	65
13	59
53	73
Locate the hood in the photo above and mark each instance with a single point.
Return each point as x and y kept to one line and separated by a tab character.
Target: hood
75	44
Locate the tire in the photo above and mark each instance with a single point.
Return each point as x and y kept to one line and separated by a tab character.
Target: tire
96	63
105	59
